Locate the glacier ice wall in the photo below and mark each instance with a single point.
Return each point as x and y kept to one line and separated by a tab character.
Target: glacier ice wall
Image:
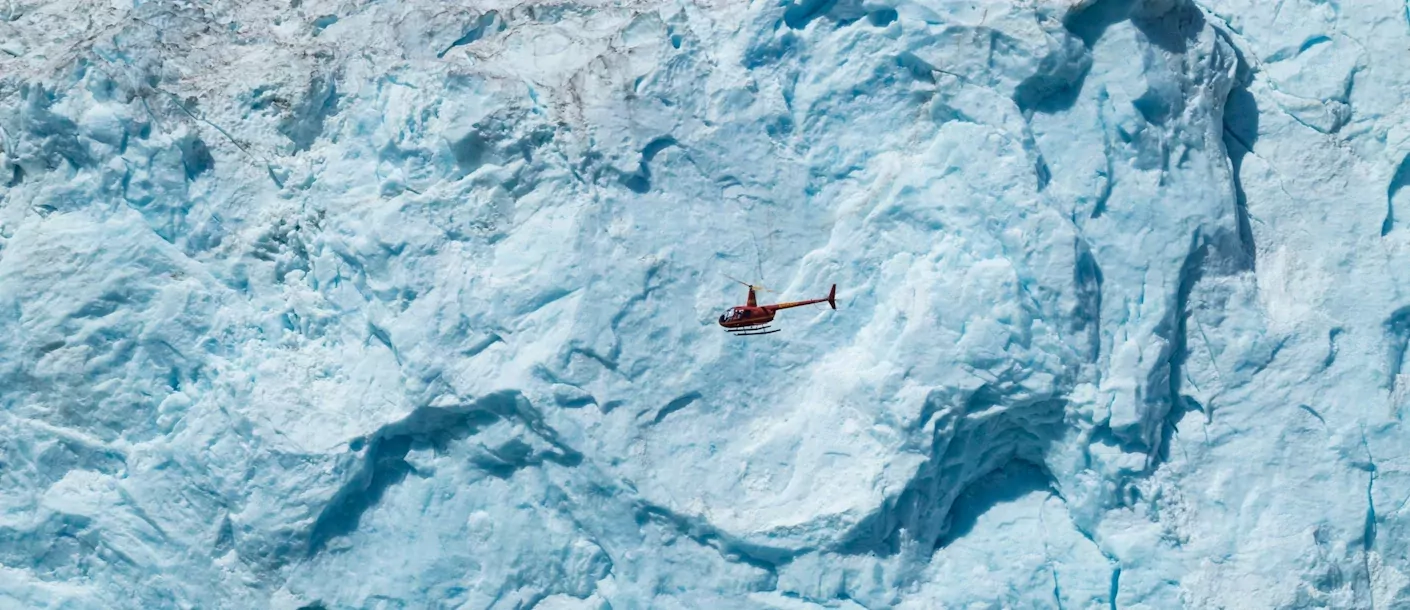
318	304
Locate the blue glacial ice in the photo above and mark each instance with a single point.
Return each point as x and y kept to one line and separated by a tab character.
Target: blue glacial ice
353	304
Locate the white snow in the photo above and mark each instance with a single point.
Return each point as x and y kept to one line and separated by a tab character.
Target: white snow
367	305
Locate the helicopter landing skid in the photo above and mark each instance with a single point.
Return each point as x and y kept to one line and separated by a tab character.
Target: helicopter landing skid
756	331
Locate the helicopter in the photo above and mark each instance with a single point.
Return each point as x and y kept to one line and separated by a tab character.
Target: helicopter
753	318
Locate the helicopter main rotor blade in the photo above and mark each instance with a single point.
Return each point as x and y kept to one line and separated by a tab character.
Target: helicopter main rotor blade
753	286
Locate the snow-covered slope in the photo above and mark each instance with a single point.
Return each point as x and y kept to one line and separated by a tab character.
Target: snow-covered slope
353	304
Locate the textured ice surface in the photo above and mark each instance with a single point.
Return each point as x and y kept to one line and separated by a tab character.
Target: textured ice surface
320	304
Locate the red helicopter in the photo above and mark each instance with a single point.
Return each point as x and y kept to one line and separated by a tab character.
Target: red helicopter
753	319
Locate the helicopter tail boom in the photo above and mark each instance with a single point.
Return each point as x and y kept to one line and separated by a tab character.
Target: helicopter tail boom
831	299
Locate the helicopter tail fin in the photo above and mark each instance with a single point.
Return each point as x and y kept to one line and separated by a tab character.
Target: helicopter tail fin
832	297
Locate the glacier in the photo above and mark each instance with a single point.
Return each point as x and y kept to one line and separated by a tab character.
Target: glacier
354	304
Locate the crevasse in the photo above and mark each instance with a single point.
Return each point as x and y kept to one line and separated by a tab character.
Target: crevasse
358	304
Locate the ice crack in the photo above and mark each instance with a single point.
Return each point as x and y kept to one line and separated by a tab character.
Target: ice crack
384	464
1397	182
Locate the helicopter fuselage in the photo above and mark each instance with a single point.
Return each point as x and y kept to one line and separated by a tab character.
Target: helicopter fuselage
739	317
